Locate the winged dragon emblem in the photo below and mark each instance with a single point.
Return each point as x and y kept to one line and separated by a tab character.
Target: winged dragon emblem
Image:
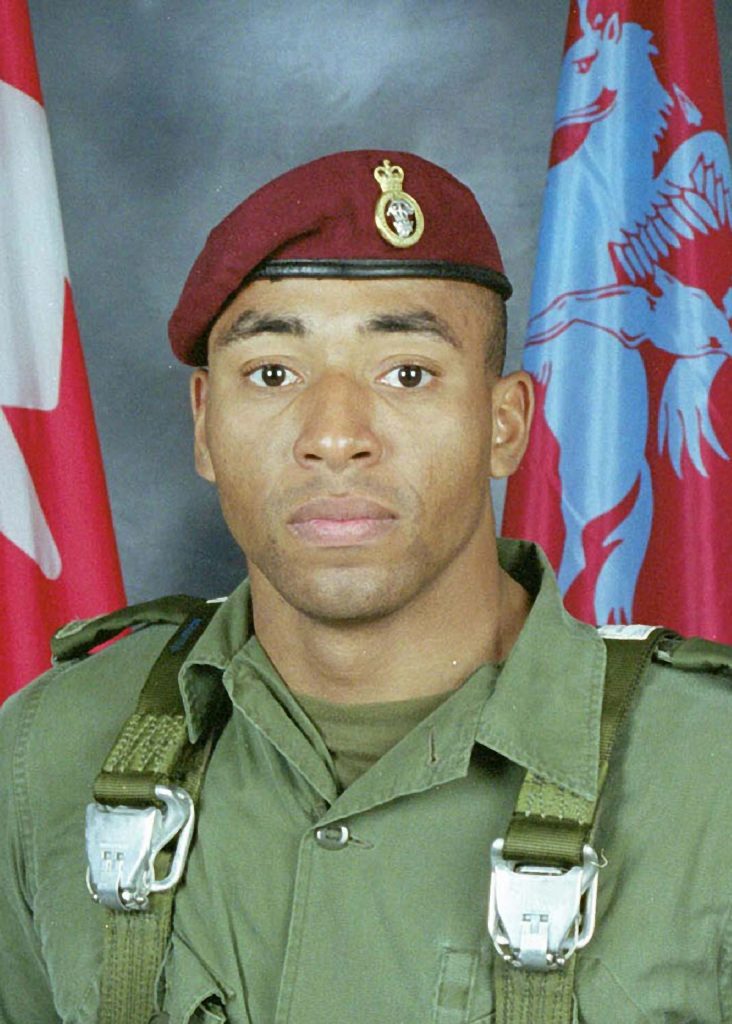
600	294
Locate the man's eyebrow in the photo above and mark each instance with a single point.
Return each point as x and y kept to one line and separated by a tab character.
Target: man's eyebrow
250	323
417	322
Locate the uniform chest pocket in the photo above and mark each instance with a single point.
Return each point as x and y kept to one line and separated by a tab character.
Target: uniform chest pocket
192	994
464	994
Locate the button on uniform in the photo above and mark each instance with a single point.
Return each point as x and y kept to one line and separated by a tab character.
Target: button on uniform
332	837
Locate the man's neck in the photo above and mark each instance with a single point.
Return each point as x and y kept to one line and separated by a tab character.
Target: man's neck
471	615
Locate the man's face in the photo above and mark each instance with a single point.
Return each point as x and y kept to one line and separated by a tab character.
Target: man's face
349	428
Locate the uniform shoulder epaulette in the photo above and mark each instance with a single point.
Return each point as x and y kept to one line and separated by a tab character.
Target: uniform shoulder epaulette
695	654
687	653
77	638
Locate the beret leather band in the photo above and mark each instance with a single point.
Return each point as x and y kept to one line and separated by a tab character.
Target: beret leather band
357	214
276	269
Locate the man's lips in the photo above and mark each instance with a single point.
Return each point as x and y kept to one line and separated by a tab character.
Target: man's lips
340	509
338	522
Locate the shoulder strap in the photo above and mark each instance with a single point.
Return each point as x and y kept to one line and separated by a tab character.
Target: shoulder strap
548	832
695	654
152	751
77	638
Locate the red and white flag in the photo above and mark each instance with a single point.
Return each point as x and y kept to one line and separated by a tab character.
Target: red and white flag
58	557
628	480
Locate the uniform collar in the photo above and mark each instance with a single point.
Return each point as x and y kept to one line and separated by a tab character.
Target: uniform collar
543	712
202	671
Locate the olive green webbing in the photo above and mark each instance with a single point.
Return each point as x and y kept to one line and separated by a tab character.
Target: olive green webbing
134	949
534	997
550	826
152	748
135	942
76	638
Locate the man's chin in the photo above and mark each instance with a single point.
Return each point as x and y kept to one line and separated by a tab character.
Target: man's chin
346	595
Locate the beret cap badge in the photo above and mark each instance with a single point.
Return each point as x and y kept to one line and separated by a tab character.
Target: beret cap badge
398	216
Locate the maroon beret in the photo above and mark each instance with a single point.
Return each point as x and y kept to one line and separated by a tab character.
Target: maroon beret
367	213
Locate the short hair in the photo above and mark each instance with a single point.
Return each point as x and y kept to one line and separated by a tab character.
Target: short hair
495	348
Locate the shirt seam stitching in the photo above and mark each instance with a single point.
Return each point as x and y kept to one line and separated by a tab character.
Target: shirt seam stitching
299	915
724	952
21	778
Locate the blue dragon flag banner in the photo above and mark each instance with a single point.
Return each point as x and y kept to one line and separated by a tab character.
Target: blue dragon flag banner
628	480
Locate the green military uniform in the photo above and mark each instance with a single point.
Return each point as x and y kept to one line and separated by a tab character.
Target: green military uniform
282	918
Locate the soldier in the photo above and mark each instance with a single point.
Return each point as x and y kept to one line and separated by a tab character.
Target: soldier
421	791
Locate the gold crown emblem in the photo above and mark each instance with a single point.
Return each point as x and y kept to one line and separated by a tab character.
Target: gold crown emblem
398	216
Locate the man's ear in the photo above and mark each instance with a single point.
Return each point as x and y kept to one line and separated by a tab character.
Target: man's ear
512	407
199	399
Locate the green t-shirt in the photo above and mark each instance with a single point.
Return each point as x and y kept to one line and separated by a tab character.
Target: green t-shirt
358	735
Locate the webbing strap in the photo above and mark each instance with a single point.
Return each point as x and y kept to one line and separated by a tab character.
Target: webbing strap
133	951
135	942
152	748
550	826
533	997
77	638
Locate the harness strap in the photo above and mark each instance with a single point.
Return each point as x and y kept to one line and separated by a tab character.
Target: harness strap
152	749
534	997
550	827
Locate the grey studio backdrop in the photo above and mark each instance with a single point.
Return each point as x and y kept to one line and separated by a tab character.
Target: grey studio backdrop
165	114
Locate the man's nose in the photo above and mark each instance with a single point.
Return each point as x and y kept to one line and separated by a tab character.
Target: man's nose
337	429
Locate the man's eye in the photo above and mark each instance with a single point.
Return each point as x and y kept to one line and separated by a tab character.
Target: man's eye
273	375
408	377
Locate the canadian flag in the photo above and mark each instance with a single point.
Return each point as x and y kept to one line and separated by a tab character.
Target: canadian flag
58	557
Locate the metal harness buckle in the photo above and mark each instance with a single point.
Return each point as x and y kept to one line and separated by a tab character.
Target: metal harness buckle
537	915
123	842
